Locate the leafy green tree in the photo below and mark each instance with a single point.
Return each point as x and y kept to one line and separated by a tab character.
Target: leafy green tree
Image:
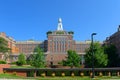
100	58
113	57
38	59
72	60
4	47
21	60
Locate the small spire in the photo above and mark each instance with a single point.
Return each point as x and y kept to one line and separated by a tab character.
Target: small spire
60	28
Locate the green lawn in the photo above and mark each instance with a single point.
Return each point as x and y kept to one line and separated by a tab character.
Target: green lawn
24	66
11	76
64	78
79	78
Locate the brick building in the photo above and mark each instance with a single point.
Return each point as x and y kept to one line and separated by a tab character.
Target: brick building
60	41
55	47
11	42
28	46
114	39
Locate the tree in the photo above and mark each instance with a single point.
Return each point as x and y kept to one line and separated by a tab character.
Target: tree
113	57
100	58
72	60
4	47
38	59
21	60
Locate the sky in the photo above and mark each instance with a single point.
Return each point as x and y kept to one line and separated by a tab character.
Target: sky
31	19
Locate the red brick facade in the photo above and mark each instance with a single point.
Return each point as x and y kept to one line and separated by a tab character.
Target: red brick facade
3	66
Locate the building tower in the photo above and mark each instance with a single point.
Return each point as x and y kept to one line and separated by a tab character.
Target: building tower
60	41
60	28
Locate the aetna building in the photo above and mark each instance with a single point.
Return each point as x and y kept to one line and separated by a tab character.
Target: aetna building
56	46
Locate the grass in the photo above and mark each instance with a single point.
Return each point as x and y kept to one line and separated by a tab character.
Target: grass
11	76
24	66
79	78
64	78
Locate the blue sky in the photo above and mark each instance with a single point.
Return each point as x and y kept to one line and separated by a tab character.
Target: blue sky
31	19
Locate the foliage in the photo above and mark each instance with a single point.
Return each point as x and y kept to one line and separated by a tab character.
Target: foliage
72	60
59	32
13	62
71	32
21	60
49	32
113	57
4	47
100	58
3	62
37	59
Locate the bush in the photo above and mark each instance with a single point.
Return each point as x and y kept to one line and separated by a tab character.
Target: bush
18	63
30	73
13	62
81	74
53	74
43	74
4	71
72	74
3	62
100	74
62	74
14	73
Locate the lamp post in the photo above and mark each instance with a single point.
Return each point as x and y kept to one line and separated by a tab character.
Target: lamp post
92	54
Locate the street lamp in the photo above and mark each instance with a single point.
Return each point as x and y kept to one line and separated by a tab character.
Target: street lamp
92	54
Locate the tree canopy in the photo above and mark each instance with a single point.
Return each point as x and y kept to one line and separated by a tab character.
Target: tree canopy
72	60
100	58
38	59
3	45
21	59
113	57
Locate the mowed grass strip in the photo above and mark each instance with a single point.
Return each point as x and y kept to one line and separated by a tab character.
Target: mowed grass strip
64	78
13	77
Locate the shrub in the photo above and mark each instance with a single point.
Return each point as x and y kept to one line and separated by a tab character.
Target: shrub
18	63
53	74
3	62
100	74
81	74
30	73
72	74
4	71
14	73
21	59
63	74
91	74
13	62
43	74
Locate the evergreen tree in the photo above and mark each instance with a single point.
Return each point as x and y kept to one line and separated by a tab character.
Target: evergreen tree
38	59
113	57
100	58
21	60
72	60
